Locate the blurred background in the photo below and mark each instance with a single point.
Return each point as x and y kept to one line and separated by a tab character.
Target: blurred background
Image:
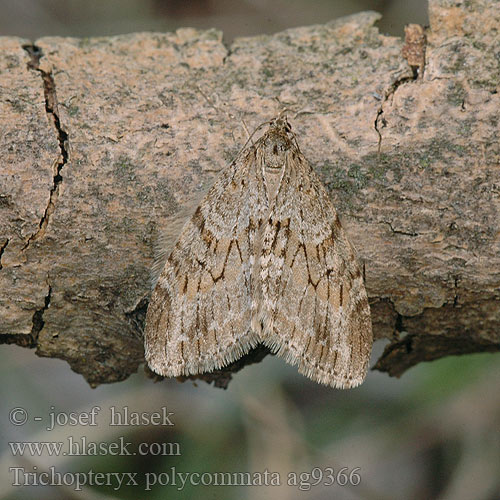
85	18
434	433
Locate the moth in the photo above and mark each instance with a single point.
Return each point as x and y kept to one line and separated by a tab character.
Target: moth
263	260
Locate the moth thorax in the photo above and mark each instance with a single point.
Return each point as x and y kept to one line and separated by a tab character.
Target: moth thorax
274	149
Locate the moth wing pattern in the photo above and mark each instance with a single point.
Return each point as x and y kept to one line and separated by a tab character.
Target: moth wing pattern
200	311
315	311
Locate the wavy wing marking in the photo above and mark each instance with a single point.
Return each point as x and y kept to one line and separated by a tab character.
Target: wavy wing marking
200	312
315	310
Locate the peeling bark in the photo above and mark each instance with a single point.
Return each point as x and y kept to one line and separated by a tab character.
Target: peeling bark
110	142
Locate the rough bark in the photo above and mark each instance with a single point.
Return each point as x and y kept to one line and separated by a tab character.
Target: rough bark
108	142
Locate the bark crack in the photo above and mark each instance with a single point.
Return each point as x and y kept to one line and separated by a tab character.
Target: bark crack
380	121
398	324
51	108
455	288
37	320
229	52
391	227
137	316
398	231
2	250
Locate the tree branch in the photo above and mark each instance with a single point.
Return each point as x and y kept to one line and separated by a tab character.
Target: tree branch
109	142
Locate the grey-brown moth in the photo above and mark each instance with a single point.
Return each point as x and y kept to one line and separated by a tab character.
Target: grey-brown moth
263	260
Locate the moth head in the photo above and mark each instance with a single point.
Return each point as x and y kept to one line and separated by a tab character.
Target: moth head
281	123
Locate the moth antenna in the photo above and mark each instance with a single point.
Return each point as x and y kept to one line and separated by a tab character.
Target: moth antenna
250	138
221	110
246	128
